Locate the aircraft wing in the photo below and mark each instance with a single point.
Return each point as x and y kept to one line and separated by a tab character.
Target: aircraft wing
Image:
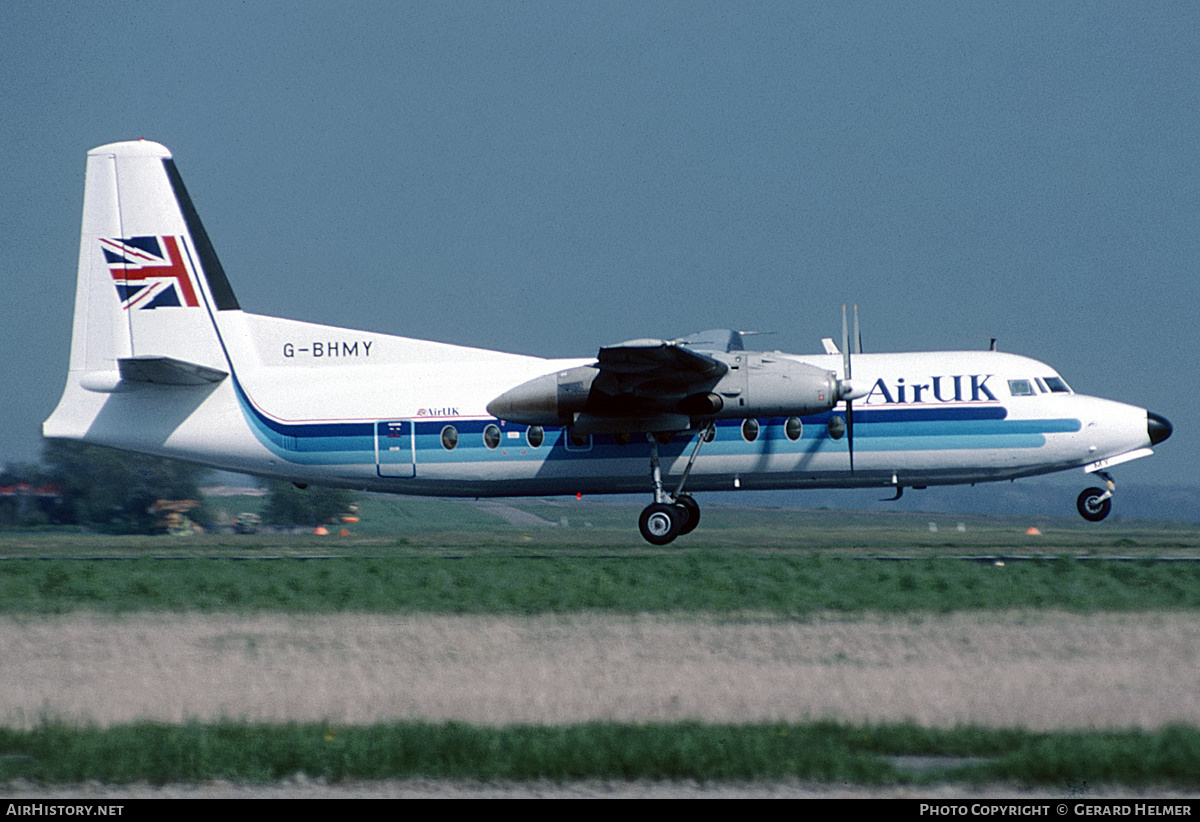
639	385
654	369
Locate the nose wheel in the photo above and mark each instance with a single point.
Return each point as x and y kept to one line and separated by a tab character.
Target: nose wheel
1095	504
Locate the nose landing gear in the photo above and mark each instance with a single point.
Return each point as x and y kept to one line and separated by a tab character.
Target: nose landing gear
1095	504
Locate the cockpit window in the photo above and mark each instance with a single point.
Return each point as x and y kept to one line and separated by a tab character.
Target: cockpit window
1020	388
1057	385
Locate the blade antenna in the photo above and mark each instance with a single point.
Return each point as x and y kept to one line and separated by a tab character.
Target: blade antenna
858	349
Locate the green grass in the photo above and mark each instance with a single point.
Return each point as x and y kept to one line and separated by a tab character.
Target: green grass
823	751
434	556
710	582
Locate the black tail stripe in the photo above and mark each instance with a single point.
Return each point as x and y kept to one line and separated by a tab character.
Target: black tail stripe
218	283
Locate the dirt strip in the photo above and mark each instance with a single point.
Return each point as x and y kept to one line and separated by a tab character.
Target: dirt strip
1036	670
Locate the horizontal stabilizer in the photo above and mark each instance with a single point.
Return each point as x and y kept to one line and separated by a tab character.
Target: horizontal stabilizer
167	371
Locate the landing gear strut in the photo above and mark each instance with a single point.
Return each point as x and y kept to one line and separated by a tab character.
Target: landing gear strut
670	515
1094	504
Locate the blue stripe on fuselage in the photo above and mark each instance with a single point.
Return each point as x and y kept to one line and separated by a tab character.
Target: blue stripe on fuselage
310	443
875	429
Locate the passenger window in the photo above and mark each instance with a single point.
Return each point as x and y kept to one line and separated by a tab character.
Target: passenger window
837	427
794	428
536	435
750	429
449	437
1020	388
491	436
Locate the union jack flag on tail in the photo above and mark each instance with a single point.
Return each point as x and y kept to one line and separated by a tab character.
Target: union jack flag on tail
149	272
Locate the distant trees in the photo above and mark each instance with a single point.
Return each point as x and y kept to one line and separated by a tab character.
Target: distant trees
116	492
287	505
113	491
27	497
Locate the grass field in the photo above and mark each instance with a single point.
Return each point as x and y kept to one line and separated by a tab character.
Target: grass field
709	582
861	639
819	752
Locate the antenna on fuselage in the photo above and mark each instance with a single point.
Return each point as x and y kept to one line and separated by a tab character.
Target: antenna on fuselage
858	349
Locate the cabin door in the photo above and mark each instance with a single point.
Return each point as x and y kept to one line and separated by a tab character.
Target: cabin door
395	448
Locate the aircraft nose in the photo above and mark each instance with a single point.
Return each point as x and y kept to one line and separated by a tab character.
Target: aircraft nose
1158	428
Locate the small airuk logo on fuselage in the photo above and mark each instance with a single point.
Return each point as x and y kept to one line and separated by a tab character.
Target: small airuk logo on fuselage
149	272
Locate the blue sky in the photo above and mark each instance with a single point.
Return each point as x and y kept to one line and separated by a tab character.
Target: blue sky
549	177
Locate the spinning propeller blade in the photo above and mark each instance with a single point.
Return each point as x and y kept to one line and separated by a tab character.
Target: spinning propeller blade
849	390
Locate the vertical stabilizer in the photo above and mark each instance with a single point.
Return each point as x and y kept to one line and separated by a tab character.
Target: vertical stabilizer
149	286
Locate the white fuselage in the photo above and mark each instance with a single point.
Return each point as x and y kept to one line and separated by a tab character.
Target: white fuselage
164	361
327	405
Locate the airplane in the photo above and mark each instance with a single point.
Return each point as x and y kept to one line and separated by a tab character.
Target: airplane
164	361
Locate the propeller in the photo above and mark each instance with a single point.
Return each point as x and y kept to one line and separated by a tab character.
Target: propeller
846	389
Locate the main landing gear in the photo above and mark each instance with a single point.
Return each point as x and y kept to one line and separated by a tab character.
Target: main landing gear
671	515
1094	504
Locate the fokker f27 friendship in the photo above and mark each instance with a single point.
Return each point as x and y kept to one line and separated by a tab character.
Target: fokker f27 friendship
164	361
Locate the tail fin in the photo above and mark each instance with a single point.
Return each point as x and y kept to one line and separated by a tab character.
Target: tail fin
149	286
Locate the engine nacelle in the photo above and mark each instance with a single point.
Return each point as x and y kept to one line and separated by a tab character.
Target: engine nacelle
552	399
754	385
768	385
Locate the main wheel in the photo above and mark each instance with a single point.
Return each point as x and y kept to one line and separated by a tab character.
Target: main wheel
660	523
1092	504
692	511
